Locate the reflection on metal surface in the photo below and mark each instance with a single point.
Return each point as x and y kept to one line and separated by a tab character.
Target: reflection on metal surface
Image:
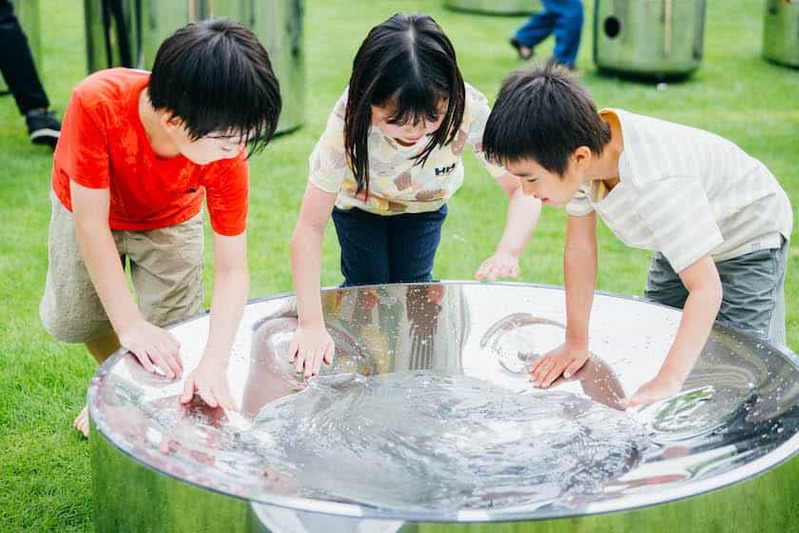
127	33
268	518
518	340
735	417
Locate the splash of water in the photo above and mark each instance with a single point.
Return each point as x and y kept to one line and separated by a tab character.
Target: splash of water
421	440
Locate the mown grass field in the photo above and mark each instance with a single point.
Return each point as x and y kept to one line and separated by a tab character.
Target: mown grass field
45	482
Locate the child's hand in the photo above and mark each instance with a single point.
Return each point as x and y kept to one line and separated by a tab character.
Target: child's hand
312	345
209	380
499	265
661	387
153	347
562	361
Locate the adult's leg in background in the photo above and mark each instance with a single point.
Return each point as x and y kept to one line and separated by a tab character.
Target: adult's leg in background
539	25
568	30
17	65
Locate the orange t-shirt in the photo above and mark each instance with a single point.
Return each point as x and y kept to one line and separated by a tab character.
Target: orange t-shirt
103	145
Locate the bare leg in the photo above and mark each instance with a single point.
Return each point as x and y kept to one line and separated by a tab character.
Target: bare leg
100	348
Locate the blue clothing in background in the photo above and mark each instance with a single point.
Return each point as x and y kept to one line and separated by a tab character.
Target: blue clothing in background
564	18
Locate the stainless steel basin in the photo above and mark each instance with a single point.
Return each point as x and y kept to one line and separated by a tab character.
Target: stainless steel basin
736	418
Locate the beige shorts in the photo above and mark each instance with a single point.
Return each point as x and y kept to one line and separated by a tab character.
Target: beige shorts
166	269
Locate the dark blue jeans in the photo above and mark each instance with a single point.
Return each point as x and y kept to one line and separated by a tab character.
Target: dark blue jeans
379	249
564	18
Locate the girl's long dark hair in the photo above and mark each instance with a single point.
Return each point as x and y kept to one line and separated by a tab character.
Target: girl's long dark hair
406	62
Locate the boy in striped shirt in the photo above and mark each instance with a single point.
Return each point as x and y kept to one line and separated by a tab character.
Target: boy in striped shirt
716	218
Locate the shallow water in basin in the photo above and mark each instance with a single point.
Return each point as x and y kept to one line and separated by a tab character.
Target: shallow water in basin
427	439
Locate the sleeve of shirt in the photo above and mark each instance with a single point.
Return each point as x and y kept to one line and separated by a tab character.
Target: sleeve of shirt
83	148
227	195
328	161
579	206
679	216
477	111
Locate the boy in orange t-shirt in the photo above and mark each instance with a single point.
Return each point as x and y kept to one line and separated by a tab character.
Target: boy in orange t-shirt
137	154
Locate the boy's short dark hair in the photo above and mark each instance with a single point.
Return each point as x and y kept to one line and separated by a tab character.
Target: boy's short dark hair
217	77
542	113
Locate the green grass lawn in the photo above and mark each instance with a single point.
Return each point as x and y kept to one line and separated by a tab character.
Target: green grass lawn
45	480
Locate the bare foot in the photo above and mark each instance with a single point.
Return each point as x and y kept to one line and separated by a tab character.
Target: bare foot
82	421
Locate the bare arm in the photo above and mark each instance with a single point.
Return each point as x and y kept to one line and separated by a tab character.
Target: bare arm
231	286
312	344
521	220
150	344
579	273
701	307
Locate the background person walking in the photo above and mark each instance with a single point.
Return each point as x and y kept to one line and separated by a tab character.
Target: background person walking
564	18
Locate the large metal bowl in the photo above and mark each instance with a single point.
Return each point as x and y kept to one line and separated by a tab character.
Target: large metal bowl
157	466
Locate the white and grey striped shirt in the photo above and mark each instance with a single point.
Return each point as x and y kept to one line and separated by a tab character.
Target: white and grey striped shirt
686	193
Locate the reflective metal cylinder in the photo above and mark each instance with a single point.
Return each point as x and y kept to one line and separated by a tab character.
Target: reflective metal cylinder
131	497
722	449
495	7
269	518
649	38
127	33
27	13
781	32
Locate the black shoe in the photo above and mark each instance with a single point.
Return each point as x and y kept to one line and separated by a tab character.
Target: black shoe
517	44
43	127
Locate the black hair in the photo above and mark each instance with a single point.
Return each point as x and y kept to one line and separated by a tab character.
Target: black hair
216	76
544	114
409	63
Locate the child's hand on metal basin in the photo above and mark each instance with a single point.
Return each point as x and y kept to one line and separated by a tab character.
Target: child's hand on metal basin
661	387
564	361
312	346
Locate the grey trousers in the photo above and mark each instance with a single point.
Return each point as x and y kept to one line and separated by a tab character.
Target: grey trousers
753	286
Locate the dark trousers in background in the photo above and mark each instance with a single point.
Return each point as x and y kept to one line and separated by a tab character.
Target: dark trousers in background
564	18
379	249
16	63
